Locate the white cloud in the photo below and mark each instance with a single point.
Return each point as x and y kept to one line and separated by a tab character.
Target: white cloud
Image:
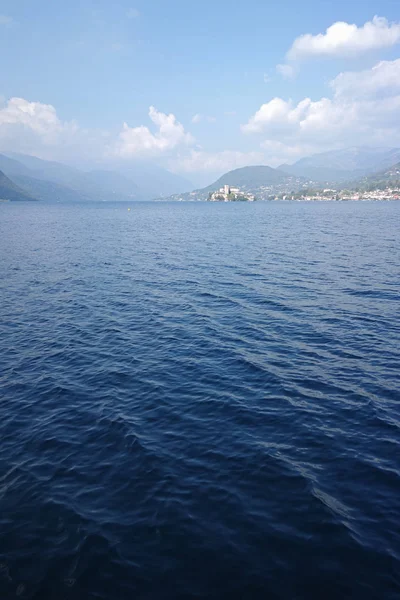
5	20
276	113
287	71
382	79
35	128
133	13
360	108
342	39
364	108
20	118
137	141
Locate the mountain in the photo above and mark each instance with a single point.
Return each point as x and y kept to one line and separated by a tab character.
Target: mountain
25	178
135	180
12	167
262	181
76	184
392	160
378	181
48	190
10	191
153	180
321	174
343	165
247	177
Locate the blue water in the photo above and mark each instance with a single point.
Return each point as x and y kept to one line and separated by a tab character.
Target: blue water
200	401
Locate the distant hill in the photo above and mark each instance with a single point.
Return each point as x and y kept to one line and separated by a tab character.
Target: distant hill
262	181
250	177
75	184
123	181
321	174
352	159
10	191
343	165
387	177
11	167
48	190
152	180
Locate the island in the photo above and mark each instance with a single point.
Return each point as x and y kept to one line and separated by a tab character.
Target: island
230	194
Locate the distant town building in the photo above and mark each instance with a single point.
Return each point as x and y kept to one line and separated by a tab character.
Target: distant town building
230	194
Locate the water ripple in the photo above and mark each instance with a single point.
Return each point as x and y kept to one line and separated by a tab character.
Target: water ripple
200	401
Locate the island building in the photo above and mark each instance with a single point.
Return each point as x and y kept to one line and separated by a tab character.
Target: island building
230	194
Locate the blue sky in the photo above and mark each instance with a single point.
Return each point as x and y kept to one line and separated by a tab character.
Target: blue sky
212	65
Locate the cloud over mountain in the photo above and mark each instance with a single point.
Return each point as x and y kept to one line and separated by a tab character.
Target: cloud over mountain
364	104
359	105
35	128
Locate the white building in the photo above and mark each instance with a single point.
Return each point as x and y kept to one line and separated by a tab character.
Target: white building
228	193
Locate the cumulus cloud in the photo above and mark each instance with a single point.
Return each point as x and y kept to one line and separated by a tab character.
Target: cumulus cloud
35	128
364	107
382	80
137	141
26	125
342	39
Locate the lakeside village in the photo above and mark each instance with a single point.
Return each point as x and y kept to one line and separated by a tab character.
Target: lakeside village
388	193
230	194
234	194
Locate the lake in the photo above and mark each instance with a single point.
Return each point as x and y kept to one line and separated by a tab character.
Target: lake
200	401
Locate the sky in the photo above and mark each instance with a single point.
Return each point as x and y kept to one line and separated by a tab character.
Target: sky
197	87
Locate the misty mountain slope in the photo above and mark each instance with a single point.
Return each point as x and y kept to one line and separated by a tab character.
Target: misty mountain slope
151	179
343	165
11	167
387	177
351	159
87	186
10	191
115	180
321	174
247	177
49	191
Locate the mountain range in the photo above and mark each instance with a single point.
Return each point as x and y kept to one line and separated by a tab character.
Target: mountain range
343	165
53	181
262	181
29	177
350	167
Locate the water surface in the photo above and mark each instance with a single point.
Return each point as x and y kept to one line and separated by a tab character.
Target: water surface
200	401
